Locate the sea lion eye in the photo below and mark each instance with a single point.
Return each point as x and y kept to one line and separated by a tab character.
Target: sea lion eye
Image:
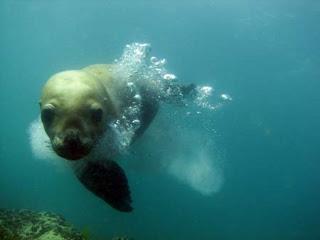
96	114
47	115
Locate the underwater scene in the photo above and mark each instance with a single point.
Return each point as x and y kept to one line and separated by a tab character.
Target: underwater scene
159	120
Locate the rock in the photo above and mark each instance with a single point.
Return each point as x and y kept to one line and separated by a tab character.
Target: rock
31	225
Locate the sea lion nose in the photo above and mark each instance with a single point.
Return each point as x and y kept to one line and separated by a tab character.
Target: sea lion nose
72	139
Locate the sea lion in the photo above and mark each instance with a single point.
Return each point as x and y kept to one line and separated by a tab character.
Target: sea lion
77	109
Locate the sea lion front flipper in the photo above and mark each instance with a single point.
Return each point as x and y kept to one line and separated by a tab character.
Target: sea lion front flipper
107	180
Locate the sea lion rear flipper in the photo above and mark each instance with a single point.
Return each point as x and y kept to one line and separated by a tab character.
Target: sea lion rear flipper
107	180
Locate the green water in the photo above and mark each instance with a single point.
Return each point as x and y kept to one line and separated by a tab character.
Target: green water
265	54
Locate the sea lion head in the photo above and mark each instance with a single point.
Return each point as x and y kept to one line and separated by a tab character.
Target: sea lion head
75	110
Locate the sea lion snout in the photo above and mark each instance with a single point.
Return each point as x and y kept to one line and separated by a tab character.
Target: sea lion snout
71	145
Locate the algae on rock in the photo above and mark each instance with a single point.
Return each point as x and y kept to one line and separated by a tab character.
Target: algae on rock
27	225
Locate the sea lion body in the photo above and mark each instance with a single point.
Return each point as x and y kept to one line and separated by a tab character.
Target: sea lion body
77	109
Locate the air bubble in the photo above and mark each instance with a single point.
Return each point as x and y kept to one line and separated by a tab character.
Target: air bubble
226	97
169	76
161	63
207	90
136	122
153	59
137	97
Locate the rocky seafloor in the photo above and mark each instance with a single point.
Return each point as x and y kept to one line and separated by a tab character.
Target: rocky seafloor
31	225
